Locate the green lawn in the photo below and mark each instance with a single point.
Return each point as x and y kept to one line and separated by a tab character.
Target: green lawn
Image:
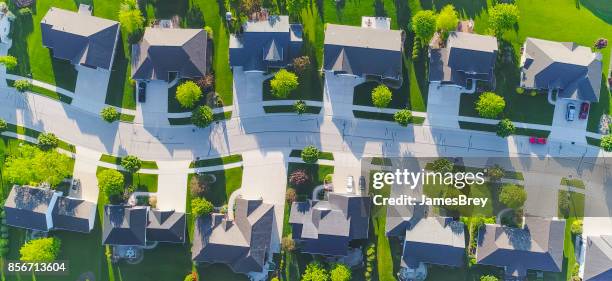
290	109
234	158
34	134
143	182
362	95
576	200
316	172
322	155
416	120
578	183
227	182
576	211
44	92
310	87
493	129
117	161
187	120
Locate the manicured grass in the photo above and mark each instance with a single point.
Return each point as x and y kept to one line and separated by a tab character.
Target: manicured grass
487	190
578	183
381	161
216	161
187	120
576	209
173	104
34	134
120	91
594	141
493	129
126	118
384	260
316	172
322	155
290	109
35	60
117	160
310	87
416	120
44	92
143	182
227	182
362	95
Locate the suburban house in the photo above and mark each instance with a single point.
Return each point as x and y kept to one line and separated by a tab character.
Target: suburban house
426	240
44	209
266	44
570	70
372	51
242	243
598	258
80	37
167	54
327	227
537	246
465	59
137	225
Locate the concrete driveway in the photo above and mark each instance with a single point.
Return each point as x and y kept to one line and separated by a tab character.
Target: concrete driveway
90	90
154	111
443	105
571	131
338	94
85	166
248	96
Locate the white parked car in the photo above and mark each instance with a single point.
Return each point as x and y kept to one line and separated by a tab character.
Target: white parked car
350	182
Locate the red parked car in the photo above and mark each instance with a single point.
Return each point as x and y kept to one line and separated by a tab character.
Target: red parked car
584	110
537	140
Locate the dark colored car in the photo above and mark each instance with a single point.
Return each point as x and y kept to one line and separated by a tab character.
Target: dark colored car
584	110
362	184
142	92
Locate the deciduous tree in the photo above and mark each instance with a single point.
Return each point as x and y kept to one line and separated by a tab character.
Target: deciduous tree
131	163
447	20
310	154
9	62
381	96
111	182
315	272
40	250
110	114
503	17
606	143
47	141
202	116
283	83
130	16
513	196
505	128
490	105
188	94
201	207
403	117
32	166
424	25
340	272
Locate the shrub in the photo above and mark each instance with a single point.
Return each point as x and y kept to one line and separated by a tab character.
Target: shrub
513	196
310	154
340	272
315	272
290	195
283	83
488	278
110	114
111	182
381	96
520	90
490	105
601	43
131	163
25	12
495	173
300	64
22	85
40	250
403	117
202	116
328	178
188	94
505	128
503	17
299	177
200	207
130	17
424	25
300	107
287	244
47	141
447	20
576	227
3	125
442	165
606	143
9	62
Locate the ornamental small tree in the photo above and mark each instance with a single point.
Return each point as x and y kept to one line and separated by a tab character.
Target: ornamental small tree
111	182
188	94
40	250
576	227
300	64
201	207
340	272
300	107
606	143
131	17
131	163
513	196
381	96
9	62
503	17
283	83
505	128
447	20
424	25
315	272
202	116
495	173
298	178
403	117
490	105
310	154
110	114
287	244
47	141
22	85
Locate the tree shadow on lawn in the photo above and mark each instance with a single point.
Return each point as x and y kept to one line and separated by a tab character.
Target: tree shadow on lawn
466	8
22	27
599	108
601	9
118	82
165	9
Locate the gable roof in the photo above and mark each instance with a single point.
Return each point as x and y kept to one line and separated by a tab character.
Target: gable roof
598	258
326	227
434	240
272	42
241	243
27	206
164	50
466	56
124	225
80	37
369	50
166	226
73	214
538	246
573	69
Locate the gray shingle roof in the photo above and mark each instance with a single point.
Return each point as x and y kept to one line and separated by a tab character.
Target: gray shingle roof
242	243
124	225
434	240
538	246
598	258
73	214
574	70
267	43
26	207
80	37
166	226
164	50
466	56
363	51
326	227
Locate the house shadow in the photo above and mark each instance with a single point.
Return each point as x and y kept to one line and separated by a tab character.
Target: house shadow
467	8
